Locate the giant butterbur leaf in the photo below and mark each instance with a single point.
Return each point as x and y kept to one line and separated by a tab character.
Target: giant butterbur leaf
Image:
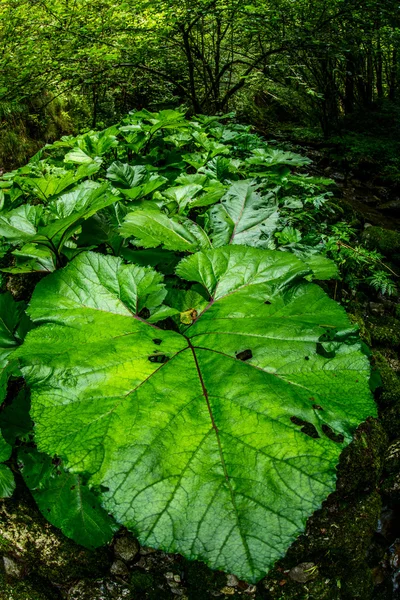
152	228
243	217
198	439
20	224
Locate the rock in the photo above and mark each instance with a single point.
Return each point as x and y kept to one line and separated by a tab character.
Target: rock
343	528
377	309
361	463
385	241
232	580
228	591
391	488
387	523
119	569
393	206
392	458
26	590
145	550
28	539
126	547
390	383
304	572
102	589
385	331
12	568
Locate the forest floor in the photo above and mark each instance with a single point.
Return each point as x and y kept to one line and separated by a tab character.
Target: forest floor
351	546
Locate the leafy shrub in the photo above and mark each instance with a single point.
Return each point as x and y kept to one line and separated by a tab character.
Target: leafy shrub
183	374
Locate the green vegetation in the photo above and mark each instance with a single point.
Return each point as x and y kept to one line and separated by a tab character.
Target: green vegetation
191	195
177	233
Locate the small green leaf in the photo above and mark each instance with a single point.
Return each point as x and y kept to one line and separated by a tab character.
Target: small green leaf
7	482
15	421
65	500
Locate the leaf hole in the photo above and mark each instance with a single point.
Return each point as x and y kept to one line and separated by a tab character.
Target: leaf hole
306	427
157	342
267	302
158	358
306	358
244	355
338	438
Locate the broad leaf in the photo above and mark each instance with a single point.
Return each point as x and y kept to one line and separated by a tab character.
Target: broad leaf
51	184
126	176
7	483
77	206
15	421
33	258
183	194
152	228
13	326
243	217
20	224
221	168
65	500
134	181
271	157
197	440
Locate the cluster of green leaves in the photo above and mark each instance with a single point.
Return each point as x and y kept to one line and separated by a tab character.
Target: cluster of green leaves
318	231
183	374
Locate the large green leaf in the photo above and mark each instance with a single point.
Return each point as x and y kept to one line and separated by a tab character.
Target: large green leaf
13	326
72	209
152	228
198	440
20	224
126	176
135	181
7	482
270	157
243	217
65	500
32	258
51	184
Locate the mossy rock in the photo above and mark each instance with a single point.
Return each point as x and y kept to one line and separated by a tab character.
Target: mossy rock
361	463
278	586
391	489
41	549
385	331
358	584
149	586
357	319
343	530
390	394
26	590
102	589
385	241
